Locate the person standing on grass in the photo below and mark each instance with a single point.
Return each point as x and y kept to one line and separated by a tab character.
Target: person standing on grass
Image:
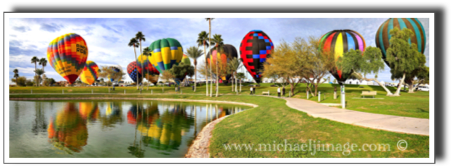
283	91
279	92
250	90
253	90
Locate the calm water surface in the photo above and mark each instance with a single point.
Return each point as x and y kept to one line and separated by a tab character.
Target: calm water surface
128	129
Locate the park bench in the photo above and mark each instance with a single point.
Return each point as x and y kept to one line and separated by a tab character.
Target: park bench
368	93
268	93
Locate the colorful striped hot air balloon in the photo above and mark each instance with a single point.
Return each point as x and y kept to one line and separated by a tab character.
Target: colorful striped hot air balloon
116	69
383	35
90	73
165	53
337	42
229	53
132	71
255	48
150	72
67	54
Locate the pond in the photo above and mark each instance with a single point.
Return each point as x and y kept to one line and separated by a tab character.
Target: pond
108	129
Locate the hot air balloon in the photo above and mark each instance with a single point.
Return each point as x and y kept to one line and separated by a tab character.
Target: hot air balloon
229	53
150	72
90	73
165	53
255	48
132	71
116	69
337	42
67	54
383	35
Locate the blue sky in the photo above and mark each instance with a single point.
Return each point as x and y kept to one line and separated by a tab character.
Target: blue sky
107	38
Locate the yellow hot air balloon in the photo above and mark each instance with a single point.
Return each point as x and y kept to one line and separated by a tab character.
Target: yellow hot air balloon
90	73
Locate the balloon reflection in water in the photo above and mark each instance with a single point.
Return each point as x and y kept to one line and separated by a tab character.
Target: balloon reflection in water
113	114
67	131
89	111
161	131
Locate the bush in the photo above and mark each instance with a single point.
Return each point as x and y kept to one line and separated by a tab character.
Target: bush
29	83
21	81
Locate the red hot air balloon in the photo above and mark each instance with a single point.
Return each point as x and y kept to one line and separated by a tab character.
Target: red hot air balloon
255	48
132	70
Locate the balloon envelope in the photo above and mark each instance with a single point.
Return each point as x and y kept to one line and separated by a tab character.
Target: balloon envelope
336	43
116	69
132	71
383	35
67	54
150	72
90	73
166	53
229	53
255	48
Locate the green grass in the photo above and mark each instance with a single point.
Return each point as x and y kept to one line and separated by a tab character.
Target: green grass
408	104
273	121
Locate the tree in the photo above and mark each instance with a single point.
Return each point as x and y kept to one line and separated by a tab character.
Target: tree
167	75
315	64
38	73
182	70
194	53
16	75
49	82
285	63
219	42
35	60
203	41
422	78
134	43
20	81
234	65
147	52
209	39
43	62
361	64
29	82
109	72
241	77
140	37
402	57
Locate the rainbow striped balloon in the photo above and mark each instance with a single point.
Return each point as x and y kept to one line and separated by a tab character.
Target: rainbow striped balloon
166	53
383	36
67	54
90	73
337	42
150	72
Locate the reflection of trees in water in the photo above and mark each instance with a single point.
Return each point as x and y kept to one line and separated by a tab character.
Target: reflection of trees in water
160	131
39	124
112	115
67	131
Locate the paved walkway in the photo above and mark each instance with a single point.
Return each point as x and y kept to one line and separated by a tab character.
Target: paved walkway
376	121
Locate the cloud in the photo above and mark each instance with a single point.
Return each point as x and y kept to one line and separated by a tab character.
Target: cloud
21	28
14	51
51	27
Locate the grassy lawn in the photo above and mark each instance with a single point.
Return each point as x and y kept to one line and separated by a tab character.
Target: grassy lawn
273	122
408	104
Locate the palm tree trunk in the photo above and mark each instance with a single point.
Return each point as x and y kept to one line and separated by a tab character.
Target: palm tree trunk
137	79
206	69
236	80
211	73
217	77
195	77
36	75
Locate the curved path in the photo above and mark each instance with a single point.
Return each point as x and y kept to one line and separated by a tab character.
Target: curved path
392	123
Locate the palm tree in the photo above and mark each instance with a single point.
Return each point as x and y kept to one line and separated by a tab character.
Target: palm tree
43	62
140	37
146	52
39	72
209	39
16	74
219	43
203	40
133	42
35	60
234	65
194	53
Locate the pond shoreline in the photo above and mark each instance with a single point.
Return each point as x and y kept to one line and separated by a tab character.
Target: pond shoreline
200	145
